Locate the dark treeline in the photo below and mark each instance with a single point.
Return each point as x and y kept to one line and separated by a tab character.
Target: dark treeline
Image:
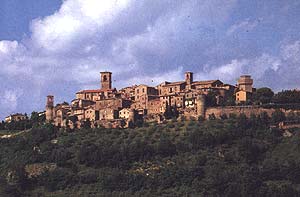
34	121
263	96
224	156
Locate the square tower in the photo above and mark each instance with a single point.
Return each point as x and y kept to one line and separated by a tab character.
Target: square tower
50	101
189	80
106	80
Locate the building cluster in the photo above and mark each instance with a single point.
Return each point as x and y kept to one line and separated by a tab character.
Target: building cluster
110	107
15	117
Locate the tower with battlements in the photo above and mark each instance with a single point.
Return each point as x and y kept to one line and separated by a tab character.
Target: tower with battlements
245	83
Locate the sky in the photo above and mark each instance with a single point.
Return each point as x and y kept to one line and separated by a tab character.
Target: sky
59	47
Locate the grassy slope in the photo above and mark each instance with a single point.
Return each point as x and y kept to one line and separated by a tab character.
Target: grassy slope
176	159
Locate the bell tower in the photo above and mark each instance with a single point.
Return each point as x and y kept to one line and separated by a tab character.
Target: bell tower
189	79
105	80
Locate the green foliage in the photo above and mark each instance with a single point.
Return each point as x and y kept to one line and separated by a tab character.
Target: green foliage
287	96
171	112
211	99
263	95
232	156
278	116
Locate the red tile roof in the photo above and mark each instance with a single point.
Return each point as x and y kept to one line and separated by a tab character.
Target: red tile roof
95	91
206	82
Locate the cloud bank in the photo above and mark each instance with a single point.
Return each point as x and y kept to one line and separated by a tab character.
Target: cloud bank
147	41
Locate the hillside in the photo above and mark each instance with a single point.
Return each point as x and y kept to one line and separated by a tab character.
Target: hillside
232	156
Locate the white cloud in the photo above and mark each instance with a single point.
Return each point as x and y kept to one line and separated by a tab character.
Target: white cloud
7	47
9	100
145	41
75	17
245	25
291	51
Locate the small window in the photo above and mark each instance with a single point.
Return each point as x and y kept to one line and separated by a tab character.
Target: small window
104	78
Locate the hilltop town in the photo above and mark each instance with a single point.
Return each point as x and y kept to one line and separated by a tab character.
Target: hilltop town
110	107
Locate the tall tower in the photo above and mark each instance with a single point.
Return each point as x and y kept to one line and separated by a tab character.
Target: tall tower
106	80
245	83
200	102
50	108
189	80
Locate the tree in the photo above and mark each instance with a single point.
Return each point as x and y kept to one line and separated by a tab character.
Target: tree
87	124
287	96
171	112
263	95
211	99
17	176
278	116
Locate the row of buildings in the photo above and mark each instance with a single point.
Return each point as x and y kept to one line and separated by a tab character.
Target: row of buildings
110	107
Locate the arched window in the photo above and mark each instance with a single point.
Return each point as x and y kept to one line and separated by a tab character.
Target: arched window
104	78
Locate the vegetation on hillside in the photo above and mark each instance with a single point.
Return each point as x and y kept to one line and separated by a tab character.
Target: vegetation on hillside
231	156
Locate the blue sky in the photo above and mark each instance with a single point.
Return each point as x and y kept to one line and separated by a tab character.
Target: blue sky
16	15
59	47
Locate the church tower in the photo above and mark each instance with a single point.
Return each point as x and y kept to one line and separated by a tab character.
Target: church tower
189	80
106	80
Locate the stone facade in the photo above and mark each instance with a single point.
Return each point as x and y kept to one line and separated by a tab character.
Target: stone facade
124	113
15	117
107	106
244	89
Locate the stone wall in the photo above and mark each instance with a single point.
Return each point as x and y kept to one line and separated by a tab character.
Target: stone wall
247	110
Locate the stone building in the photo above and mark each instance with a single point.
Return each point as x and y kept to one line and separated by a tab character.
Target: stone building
91	114
128	92
108	114
61	115
124	113
154	106
113	103
244	89
107	106
15	117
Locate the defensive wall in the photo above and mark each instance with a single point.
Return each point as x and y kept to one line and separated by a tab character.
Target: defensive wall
247	110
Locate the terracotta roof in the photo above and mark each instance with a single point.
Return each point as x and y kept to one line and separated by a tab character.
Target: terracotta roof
174	83
206	82
17	114
95	91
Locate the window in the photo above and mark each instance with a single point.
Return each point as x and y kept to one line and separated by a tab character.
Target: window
138	91
143	90
104	78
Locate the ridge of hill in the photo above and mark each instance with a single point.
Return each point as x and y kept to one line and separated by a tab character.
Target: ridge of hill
235	156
